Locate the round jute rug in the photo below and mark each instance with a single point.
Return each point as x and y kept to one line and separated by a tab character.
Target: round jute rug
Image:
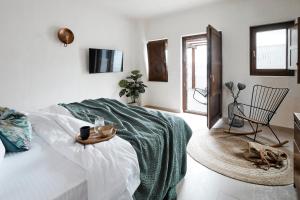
223	153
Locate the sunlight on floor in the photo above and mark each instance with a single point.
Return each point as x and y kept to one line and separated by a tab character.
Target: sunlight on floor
196	122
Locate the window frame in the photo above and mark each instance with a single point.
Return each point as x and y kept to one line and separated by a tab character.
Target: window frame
269	72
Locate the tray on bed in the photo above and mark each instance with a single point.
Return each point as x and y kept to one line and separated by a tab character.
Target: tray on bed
95	137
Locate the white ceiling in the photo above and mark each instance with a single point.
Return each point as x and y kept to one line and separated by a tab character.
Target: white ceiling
152	8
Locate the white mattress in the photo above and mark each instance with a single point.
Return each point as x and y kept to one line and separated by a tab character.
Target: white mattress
41	173
58	168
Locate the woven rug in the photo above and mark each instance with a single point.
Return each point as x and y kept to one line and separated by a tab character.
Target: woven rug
223	153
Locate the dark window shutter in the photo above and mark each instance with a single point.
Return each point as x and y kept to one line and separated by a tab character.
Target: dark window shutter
157	60
298	49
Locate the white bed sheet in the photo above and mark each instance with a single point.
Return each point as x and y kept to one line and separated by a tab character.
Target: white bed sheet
112	167
41	173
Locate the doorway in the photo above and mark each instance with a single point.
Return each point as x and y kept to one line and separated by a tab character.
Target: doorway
202	74
195	74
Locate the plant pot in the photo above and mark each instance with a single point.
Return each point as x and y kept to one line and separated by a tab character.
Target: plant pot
237	108
134	102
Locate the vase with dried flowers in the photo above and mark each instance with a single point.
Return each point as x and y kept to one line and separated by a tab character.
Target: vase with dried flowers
235	107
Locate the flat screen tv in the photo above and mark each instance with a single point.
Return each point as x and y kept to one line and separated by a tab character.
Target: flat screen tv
105	60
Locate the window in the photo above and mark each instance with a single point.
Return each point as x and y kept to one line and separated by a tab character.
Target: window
269	49
157	59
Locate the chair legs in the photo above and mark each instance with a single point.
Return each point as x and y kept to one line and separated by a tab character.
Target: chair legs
255	130
273	133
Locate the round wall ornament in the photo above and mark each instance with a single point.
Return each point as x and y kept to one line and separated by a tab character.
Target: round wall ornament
65	35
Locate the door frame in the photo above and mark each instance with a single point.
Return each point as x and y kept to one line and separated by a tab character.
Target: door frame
184	70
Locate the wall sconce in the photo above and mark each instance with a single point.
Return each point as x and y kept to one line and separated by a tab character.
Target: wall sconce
66	36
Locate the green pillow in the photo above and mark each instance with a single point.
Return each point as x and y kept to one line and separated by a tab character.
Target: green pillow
15	130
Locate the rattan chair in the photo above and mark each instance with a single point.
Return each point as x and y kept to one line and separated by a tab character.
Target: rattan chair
264	103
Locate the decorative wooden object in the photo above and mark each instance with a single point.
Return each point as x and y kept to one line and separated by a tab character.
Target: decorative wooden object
95	137
264	156
66	36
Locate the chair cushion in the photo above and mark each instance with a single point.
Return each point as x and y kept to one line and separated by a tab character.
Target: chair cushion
15	130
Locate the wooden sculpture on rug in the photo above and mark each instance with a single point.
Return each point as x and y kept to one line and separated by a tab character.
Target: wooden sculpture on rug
265	157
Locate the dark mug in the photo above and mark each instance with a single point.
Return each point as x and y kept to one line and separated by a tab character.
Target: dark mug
85	132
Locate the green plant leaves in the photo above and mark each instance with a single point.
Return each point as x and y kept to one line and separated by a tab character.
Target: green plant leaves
135	72
133	86
142	90
123	83
122	92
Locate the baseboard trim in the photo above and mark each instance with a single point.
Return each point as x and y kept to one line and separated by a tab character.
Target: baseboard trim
162	108
274	126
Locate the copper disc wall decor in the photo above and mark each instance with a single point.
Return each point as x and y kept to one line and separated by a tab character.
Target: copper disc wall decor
65	35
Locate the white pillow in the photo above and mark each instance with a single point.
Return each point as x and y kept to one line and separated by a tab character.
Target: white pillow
56	109
2	151
54	127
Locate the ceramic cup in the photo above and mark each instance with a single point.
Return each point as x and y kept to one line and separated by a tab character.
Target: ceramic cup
85	132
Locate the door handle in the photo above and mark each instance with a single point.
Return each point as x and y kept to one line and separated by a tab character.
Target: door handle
212	77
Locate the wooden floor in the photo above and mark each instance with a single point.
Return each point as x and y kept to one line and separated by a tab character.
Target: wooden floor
203	183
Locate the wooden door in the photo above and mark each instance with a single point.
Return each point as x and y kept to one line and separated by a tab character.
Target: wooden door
298	63
214	76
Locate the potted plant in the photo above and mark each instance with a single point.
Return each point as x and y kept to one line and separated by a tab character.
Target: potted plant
132	87
235	107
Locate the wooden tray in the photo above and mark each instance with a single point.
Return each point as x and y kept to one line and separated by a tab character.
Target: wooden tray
95	137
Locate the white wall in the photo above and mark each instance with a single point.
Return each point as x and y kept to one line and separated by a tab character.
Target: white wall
36	70
233	18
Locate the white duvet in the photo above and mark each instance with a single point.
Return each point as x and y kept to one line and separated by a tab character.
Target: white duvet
111	167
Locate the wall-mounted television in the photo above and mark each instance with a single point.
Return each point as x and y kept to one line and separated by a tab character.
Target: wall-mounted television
105	60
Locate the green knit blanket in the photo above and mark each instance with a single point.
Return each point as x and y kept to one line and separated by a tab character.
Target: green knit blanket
159	140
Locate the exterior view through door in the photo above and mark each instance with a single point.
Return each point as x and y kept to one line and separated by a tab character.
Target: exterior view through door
202	75
195	74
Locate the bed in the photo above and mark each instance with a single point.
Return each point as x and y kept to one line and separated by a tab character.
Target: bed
41	173
145	160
